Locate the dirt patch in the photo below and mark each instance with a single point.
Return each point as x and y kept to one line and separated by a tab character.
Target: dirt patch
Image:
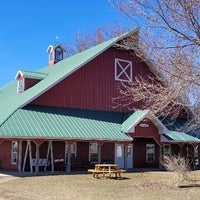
155	185
6	178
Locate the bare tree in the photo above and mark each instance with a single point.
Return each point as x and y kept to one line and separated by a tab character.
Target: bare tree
170	43
86	39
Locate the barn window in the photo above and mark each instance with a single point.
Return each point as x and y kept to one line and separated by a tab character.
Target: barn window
14	152
150	152
72	148
20	86
59	54
94	153
119	151
123	70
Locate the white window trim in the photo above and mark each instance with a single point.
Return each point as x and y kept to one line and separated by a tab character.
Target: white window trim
119	151
91	152
23	86
14	152
153	153
123	70
66	149
51	56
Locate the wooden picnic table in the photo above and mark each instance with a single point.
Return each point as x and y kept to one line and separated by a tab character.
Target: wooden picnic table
106	169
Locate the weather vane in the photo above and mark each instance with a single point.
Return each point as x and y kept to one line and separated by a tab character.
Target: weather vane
57	39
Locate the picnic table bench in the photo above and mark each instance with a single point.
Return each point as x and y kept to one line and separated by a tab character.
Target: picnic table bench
39	162
106	169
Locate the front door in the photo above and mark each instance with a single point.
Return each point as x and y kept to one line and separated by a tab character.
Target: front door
119	155
130	156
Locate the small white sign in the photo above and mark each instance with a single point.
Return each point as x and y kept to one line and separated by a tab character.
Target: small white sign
144	125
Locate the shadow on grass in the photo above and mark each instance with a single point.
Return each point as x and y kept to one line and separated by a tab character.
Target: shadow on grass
189	186
115	178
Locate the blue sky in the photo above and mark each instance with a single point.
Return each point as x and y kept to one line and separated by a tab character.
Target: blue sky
27	27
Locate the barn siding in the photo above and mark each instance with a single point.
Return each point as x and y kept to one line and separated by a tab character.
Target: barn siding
5	156
175	149
92	86
147	132
83	151
30	82
108	152
139	153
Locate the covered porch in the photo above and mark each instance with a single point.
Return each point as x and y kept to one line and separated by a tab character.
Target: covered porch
49	136
41	156
178	143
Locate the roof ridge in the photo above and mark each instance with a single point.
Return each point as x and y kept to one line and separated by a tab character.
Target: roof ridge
54	76
22	70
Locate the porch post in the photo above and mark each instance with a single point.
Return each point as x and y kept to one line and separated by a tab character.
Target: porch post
25	157
30	155
20	157
99	150
195	154
37	156
69	148
160	157
52	164
68	158
100	143
125	156
181	150
47	156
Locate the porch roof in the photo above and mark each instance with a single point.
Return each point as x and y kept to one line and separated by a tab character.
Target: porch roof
175	136
58	123
129	124
133	119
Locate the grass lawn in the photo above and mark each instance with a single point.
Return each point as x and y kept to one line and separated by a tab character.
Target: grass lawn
134	186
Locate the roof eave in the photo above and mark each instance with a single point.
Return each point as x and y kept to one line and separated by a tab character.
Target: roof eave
148	114
67	138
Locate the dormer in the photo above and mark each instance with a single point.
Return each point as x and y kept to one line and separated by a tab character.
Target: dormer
27	79
55	54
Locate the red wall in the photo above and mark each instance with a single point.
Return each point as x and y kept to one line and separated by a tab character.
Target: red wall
147	132
139	153
5	156
143	136
83	151
30	82
93	86
108	152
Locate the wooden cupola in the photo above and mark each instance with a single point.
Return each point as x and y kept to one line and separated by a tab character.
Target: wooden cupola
55	54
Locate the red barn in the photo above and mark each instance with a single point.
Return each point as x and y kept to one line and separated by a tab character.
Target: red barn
62	117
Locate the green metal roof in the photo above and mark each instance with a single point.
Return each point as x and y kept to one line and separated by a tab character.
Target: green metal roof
133	119
129	124
175	136
10	101
32	75
59	123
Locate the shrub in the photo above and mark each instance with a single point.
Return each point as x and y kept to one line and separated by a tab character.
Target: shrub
179	165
